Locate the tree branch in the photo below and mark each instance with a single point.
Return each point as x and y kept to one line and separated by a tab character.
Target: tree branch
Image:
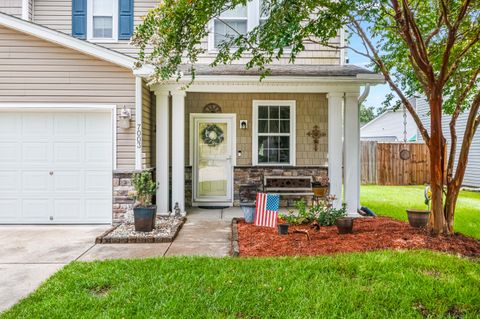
378	61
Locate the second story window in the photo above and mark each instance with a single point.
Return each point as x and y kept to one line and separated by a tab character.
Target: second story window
239	20
102	20
230	24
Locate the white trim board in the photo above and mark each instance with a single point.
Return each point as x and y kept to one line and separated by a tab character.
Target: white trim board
66	40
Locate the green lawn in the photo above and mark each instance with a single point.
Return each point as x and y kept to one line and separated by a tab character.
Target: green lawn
382	284
393	200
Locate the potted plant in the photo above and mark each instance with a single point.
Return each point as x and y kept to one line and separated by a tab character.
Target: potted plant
418	218
320	186
144	212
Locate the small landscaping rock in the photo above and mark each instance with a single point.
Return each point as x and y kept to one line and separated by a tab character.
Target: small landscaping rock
166	229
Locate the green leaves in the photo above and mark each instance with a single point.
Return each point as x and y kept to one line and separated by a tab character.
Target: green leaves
144	186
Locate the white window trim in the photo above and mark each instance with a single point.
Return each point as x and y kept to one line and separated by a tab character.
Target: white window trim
293	135
114	37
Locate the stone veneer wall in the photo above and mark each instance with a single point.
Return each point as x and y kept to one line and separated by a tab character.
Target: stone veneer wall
122	202
247	175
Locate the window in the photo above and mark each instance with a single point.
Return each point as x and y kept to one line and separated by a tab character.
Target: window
242	19
273	133
229	23
102	19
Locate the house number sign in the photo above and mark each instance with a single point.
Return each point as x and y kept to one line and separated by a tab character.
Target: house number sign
139	135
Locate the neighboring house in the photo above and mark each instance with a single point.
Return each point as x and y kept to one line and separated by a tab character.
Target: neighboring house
472	173
76	120
390	127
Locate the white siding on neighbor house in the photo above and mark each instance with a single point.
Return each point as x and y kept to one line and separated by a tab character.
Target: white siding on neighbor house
12	7
57	15
389	126
472	174
37	71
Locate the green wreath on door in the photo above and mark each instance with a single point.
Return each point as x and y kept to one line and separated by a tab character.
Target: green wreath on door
212	135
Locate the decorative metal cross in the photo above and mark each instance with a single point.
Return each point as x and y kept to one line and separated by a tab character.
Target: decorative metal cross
315	133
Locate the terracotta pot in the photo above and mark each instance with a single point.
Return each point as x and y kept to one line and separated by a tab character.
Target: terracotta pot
282	229
144	217
418	218
344	225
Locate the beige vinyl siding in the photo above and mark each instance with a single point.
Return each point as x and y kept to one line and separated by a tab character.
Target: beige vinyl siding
148	135
311	110
12	7
54	14
36	71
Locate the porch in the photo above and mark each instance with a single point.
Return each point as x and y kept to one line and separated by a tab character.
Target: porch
223	131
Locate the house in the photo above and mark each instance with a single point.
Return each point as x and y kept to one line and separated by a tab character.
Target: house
472	173
76	119
390	126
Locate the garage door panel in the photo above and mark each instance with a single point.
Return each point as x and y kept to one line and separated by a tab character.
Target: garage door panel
67	182
37	125
67	153
98	152
36	210
69	209
10	152
98	181
38	153
95	125
9	182
35	181
68	125
98	209
10	209
10	126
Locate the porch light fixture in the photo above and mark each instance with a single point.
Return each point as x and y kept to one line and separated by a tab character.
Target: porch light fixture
124	118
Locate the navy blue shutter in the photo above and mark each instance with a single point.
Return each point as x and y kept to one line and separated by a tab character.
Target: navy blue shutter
79	19
125	19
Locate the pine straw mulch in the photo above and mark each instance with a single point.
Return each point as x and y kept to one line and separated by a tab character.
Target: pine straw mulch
368	234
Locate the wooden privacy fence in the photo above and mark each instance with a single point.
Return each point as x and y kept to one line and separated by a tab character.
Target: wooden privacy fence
382	164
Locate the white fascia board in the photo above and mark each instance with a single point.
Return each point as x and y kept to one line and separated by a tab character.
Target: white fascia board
371	78
66	41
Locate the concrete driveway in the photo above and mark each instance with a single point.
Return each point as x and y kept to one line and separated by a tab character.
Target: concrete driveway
31	254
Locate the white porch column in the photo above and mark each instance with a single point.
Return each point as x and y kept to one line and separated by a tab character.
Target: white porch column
178	148
138	123
352	153
335	146
162	151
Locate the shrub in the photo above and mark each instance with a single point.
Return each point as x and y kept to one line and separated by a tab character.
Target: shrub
322	212
145	187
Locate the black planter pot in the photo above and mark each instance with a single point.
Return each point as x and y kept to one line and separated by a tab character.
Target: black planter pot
344	225
144	217
282	229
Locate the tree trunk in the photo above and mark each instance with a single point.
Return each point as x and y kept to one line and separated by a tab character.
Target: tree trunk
437	165
450	205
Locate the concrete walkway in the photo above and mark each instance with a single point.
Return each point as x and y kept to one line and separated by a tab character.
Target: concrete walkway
31	254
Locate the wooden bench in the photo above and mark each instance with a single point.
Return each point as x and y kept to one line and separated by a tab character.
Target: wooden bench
288	185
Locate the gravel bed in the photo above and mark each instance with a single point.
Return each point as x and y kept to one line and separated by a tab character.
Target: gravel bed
166	229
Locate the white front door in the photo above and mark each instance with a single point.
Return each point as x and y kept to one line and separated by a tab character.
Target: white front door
55	167
213	139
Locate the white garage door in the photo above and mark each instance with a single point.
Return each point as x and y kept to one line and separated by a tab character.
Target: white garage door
55	167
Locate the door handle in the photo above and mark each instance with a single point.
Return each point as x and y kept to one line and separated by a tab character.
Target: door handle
50	173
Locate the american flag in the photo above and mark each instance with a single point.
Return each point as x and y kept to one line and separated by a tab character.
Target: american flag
267	209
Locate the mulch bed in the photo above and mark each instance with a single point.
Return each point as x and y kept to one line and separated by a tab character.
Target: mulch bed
368	234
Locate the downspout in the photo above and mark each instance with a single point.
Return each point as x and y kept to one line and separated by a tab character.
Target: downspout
364	95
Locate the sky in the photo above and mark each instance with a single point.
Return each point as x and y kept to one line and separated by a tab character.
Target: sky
378	92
